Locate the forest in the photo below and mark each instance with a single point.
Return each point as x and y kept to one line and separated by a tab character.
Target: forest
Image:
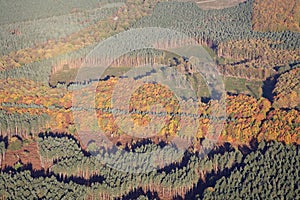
83	176
155	122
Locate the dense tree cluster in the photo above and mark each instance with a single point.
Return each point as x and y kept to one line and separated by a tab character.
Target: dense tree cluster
213	26
34	10
53	148
169	180
25	96
262	52
66	69
26	34
281	125
85	37
287	90
248	114
23	185
73	169
43	70
21	124
2	150
286	16
266	170
245	114
240	52
271	172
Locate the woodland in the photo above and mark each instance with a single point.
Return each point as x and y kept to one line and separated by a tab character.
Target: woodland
61	133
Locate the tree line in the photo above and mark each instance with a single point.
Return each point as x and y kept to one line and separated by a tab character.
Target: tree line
268	170
174	179
21	124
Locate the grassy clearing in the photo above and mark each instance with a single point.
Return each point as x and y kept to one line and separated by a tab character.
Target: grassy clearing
232	85
243	86
199	85
115	71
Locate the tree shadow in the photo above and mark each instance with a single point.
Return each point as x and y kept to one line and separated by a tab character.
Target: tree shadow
268	87
136	193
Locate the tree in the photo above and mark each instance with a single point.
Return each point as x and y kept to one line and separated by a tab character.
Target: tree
2	152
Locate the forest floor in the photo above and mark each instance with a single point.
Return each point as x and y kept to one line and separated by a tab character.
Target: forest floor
28	154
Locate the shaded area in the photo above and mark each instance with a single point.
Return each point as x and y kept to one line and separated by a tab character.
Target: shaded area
268	87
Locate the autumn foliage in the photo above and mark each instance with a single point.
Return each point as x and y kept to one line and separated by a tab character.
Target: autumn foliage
281	125
287	90
276	15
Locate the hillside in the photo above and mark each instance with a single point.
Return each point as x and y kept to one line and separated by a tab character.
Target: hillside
149	99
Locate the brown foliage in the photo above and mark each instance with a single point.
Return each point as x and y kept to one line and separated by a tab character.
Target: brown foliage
276	15
85	37
281	125
257	53
247	114
287	90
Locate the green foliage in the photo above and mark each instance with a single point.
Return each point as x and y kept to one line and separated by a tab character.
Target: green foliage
21	124
24	186
15	144
106	165
24	10
213	26
271	172
243	86
2	147
23	35
40	71
18	166
53	147
142	197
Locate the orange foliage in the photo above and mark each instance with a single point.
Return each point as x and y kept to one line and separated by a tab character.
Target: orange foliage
257	53
276	15
85	37
248	114
281	125
287	90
